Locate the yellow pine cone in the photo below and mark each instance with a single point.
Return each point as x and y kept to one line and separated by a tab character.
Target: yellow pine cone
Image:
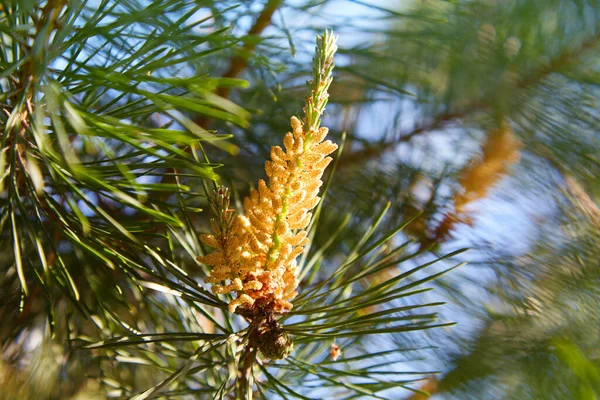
256	258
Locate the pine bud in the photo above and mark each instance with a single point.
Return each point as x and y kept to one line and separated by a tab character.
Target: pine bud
275	344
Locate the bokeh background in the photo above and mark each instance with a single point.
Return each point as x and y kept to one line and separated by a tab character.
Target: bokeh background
477	120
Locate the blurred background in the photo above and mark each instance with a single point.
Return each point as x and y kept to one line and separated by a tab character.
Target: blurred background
477	120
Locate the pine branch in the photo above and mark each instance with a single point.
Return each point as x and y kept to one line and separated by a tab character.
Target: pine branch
20	110
255	254
238	64
564	60
244	384
76	137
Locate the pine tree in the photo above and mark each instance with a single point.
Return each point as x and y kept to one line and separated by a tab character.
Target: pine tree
177	222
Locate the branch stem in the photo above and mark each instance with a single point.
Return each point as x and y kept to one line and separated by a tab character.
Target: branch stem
245	378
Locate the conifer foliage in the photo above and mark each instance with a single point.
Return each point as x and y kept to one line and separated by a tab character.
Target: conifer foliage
162	236
100	157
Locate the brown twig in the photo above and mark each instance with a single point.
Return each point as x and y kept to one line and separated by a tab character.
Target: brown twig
240	62
381	148
244	383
